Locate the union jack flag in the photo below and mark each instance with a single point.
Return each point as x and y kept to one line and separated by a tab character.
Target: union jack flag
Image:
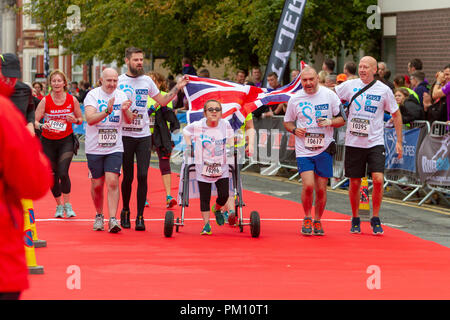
237	100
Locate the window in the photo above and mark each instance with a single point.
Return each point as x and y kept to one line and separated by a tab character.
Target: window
77	70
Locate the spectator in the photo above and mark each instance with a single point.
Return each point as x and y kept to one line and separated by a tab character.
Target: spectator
342	77
294	74
257	77
322	77
410	109
203	73
272	81
240	77
350	69
187	67
266	110
39	90
385	74
84	91
419	85
74	90
441	88
399	82
330	81
22	96
414	65
24	174
328	66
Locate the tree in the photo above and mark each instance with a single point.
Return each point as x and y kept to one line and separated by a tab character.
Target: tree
205	30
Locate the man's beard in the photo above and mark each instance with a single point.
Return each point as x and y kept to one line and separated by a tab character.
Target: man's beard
136	72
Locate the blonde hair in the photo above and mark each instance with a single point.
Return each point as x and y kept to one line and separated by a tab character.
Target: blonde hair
322	76
63	76
158	77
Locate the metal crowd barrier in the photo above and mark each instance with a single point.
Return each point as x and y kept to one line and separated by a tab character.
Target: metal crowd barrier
438	129
338	158
409	181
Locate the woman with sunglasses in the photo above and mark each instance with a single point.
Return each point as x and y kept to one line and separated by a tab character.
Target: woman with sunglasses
210	137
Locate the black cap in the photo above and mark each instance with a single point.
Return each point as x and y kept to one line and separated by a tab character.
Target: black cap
10	65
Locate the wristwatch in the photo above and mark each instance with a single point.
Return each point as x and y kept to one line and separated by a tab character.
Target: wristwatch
293	130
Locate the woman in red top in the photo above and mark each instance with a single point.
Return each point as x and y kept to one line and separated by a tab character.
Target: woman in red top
24	174
59	110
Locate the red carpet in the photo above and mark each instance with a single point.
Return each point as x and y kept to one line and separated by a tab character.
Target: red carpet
279	265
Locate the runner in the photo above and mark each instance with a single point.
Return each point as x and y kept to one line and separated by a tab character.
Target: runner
105	110
209	138
311	116
161	134
364	138
136	136
59	110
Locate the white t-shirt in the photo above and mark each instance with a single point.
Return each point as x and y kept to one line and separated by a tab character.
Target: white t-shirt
365	125
210	145
304	109
105	137
138	90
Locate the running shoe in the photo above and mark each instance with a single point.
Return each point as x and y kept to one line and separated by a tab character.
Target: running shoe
59	211
376	226
307	227
356	225
125	219
219	215
140	225
99	223
113	225
206	229
318	230
170	202
146	203
225	216
69	211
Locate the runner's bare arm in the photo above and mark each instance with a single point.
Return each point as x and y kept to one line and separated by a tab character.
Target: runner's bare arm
164	100
92	116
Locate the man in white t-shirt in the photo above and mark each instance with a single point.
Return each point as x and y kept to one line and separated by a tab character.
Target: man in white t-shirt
105	110
311	116
137	136
364	139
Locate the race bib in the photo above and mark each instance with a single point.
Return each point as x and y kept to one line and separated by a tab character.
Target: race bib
212	170
58	125
152	121
137	124
359	127
107	137
314	141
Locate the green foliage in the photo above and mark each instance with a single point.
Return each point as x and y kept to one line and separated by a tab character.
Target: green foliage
206	30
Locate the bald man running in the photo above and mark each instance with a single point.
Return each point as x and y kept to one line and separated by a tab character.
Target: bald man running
311	116
106	108
364	139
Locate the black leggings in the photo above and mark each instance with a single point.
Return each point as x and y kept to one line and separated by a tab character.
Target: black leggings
10	295
222	186
60	154
142	148
164	163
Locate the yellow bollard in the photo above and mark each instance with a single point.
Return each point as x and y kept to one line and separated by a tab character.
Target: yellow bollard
364	204
28	206
30	254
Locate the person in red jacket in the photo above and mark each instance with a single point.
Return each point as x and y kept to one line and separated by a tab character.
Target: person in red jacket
25	173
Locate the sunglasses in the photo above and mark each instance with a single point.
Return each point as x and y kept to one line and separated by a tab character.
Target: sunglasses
214	109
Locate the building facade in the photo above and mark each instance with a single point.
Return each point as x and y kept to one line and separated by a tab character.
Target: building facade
415	29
